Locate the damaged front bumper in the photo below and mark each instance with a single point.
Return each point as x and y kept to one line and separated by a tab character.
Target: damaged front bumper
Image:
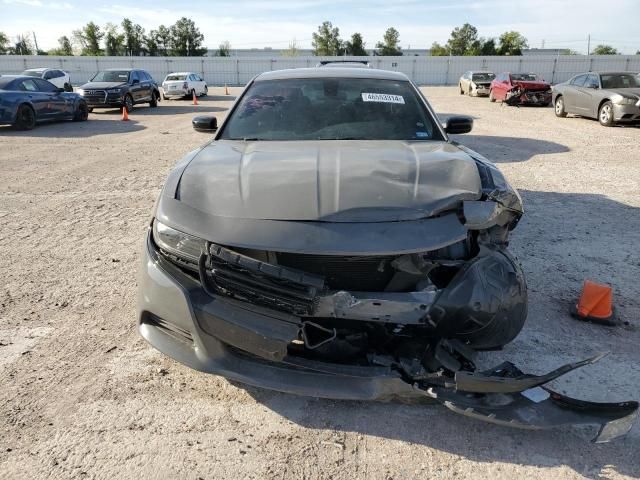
203	319
522	96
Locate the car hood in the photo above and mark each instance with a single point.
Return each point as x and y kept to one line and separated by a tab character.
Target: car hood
336	181
625	92
531	85
90	85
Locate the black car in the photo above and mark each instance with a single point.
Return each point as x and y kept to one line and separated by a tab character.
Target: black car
116	88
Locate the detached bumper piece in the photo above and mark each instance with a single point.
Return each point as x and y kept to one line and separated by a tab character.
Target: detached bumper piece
507	396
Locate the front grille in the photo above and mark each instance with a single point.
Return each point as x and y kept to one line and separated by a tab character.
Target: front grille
364	274
95	96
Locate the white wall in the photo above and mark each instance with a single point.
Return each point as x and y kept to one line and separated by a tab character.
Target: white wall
238	71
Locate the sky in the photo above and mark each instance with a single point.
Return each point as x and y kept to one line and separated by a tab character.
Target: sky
257	24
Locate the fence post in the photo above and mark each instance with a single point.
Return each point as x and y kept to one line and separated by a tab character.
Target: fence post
553	72
590	63
237	71
413	71
627	64
202	66
446	78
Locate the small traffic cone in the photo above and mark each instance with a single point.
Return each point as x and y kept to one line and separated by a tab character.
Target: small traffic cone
226	90
195	99
125	114
595	304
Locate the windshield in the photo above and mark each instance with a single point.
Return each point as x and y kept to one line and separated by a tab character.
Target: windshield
525	77
175	77
620	80
111	76
331	109
32	73
483	77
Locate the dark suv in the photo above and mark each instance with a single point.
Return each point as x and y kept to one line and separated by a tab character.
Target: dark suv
119	87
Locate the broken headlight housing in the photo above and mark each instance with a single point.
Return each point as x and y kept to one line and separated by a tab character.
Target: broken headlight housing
174	242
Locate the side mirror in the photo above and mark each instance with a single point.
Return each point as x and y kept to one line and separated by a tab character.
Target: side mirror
459	124
205	124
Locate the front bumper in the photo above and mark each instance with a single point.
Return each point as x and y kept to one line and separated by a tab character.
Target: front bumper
180	319
626	113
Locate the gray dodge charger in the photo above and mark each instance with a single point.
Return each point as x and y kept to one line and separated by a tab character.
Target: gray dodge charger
331	240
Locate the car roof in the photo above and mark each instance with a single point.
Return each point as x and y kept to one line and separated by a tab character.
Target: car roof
14	77
179	73
335	72
39	69
615	73
121	69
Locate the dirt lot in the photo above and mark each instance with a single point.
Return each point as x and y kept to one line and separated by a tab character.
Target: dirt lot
82	396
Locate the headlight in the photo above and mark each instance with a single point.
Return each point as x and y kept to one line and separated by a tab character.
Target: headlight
80	91
114	90
177	243
627	101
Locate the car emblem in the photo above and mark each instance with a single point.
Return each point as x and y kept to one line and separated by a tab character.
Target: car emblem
90	92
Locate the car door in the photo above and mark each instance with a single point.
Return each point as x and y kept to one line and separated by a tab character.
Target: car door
588	101
39	100
572	94
147	83
200	84
135	88
58	105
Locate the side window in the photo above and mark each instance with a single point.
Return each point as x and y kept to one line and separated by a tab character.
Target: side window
146	76
29	86
134	76
59	74
44	86
592	81
50	74
579	80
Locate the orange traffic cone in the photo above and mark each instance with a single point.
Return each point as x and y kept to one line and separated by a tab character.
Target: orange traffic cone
125	114
595	304
195	99
226	90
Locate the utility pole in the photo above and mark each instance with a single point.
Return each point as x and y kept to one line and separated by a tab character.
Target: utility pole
589	44
35	40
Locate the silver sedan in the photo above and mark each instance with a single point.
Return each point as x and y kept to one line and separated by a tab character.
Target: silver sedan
611	97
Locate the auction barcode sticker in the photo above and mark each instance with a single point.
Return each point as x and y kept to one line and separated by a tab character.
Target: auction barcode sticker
382	98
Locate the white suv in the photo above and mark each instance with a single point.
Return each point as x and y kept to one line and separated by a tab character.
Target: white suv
59	78
183	84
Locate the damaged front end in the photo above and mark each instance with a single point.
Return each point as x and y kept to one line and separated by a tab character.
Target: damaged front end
522	95
377	326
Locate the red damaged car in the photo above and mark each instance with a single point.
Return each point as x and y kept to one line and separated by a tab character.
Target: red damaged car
520	89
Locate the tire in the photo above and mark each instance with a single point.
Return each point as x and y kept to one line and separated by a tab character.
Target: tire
461	91
559	107
82	113
25	118
163	96
154	100
605	114
492	99
128	103
90	109
206	91
470	90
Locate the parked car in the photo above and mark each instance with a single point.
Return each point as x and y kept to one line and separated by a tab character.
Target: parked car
26	101
183	84
333	241
475	84
118	87
520	89
611	97
59	78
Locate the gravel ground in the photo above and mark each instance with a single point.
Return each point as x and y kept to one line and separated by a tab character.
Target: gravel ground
82	396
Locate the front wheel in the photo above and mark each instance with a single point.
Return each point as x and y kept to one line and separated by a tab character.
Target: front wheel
461	91
559	107
128	103
491	97
605	114
82	113
25	118
154	100
205	92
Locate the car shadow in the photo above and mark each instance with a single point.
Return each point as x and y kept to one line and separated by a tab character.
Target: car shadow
163	109
567	247
509	149
75	129
221	98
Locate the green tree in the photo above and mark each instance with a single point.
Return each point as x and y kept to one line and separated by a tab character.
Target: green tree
4	43
355	46
438	50
186	39
64	47
159	41
326	41
463	40
133	38
23	46
113	40
489	47
88	39
512	43
390	45
604	50
224	49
